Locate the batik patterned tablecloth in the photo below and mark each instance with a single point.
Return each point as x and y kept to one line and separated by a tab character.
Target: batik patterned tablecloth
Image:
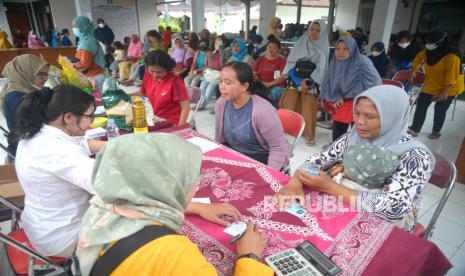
357	242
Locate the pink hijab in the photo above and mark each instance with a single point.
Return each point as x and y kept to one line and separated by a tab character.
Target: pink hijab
33	41
135	47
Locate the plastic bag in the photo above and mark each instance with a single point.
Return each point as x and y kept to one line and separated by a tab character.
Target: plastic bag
74	76
117	104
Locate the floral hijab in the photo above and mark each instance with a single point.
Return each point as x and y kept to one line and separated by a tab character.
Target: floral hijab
139	180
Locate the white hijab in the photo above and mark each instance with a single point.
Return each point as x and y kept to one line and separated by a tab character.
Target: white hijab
316	50
393	107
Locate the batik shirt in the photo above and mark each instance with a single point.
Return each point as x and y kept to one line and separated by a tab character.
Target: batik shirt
402	190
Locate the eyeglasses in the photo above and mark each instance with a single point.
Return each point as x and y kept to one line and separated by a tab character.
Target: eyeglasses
92	116
43	74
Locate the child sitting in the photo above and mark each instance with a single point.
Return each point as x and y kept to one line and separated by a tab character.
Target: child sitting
118	54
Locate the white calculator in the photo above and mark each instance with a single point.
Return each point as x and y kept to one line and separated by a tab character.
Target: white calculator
303	260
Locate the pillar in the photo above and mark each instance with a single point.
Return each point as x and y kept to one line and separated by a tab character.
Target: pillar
267	12
383	19
198	15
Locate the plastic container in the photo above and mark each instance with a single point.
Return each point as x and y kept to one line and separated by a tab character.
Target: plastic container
112	129
138	116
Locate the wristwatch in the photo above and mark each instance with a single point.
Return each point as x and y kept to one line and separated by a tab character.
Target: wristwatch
249	255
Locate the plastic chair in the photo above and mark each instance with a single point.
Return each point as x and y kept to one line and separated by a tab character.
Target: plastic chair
195	97
23	258
443	176
293	124
418	80
393	82
5	148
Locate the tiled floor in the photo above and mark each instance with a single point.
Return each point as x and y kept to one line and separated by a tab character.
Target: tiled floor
449	234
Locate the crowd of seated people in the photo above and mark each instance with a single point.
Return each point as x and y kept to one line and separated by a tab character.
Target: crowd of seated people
68	191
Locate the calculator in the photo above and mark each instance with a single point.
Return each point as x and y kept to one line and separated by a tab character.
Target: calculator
303	260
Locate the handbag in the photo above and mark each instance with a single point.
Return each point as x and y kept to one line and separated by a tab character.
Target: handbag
180	65
304	68
211	75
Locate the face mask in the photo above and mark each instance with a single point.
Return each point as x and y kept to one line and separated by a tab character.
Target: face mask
101	25
375	53
431	46
76	32
403	45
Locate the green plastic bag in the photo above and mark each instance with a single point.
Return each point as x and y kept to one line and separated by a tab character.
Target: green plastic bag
117	104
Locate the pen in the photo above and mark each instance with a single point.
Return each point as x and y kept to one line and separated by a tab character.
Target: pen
236	237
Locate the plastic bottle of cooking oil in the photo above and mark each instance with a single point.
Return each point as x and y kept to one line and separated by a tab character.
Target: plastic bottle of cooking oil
139	116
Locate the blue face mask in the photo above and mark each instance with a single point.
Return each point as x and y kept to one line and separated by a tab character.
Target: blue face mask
77	32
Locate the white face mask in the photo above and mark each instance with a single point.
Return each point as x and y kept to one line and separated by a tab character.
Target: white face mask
375	53
101	25
431	46
403	45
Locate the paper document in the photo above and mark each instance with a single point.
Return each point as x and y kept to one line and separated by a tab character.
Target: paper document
204	144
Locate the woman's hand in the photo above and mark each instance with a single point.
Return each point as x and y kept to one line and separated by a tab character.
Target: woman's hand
213	212
303	86
268	84
253	241
443	95
293	189
320	182
338	103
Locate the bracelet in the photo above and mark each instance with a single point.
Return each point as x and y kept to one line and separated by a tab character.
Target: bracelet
249	255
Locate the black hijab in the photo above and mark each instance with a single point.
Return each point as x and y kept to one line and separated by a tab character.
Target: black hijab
105	35
404	54
439	38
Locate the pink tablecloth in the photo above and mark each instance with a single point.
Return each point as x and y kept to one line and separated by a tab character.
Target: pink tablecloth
357	242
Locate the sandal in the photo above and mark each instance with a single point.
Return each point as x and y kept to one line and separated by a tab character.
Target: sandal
310	142
434	135
413	133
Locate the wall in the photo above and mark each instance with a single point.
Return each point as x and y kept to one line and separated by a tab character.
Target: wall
4	22
403	16
288	14
63	13
346	14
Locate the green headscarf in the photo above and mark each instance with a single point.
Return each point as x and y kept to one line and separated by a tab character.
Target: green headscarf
369	165
87	40
139	179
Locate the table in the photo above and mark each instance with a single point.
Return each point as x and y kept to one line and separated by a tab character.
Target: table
358	243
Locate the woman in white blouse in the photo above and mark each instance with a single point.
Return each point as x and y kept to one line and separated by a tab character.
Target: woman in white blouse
54	166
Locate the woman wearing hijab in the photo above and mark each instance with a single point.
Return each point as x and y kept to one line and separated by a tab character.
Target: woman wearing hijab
381	116
443	81
90	54
218	59
4	43
199	65
24	74
314	46
349	74
182	55
135	47
380	59
33	41
404	51
103	33
274	27
239	52
129	197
